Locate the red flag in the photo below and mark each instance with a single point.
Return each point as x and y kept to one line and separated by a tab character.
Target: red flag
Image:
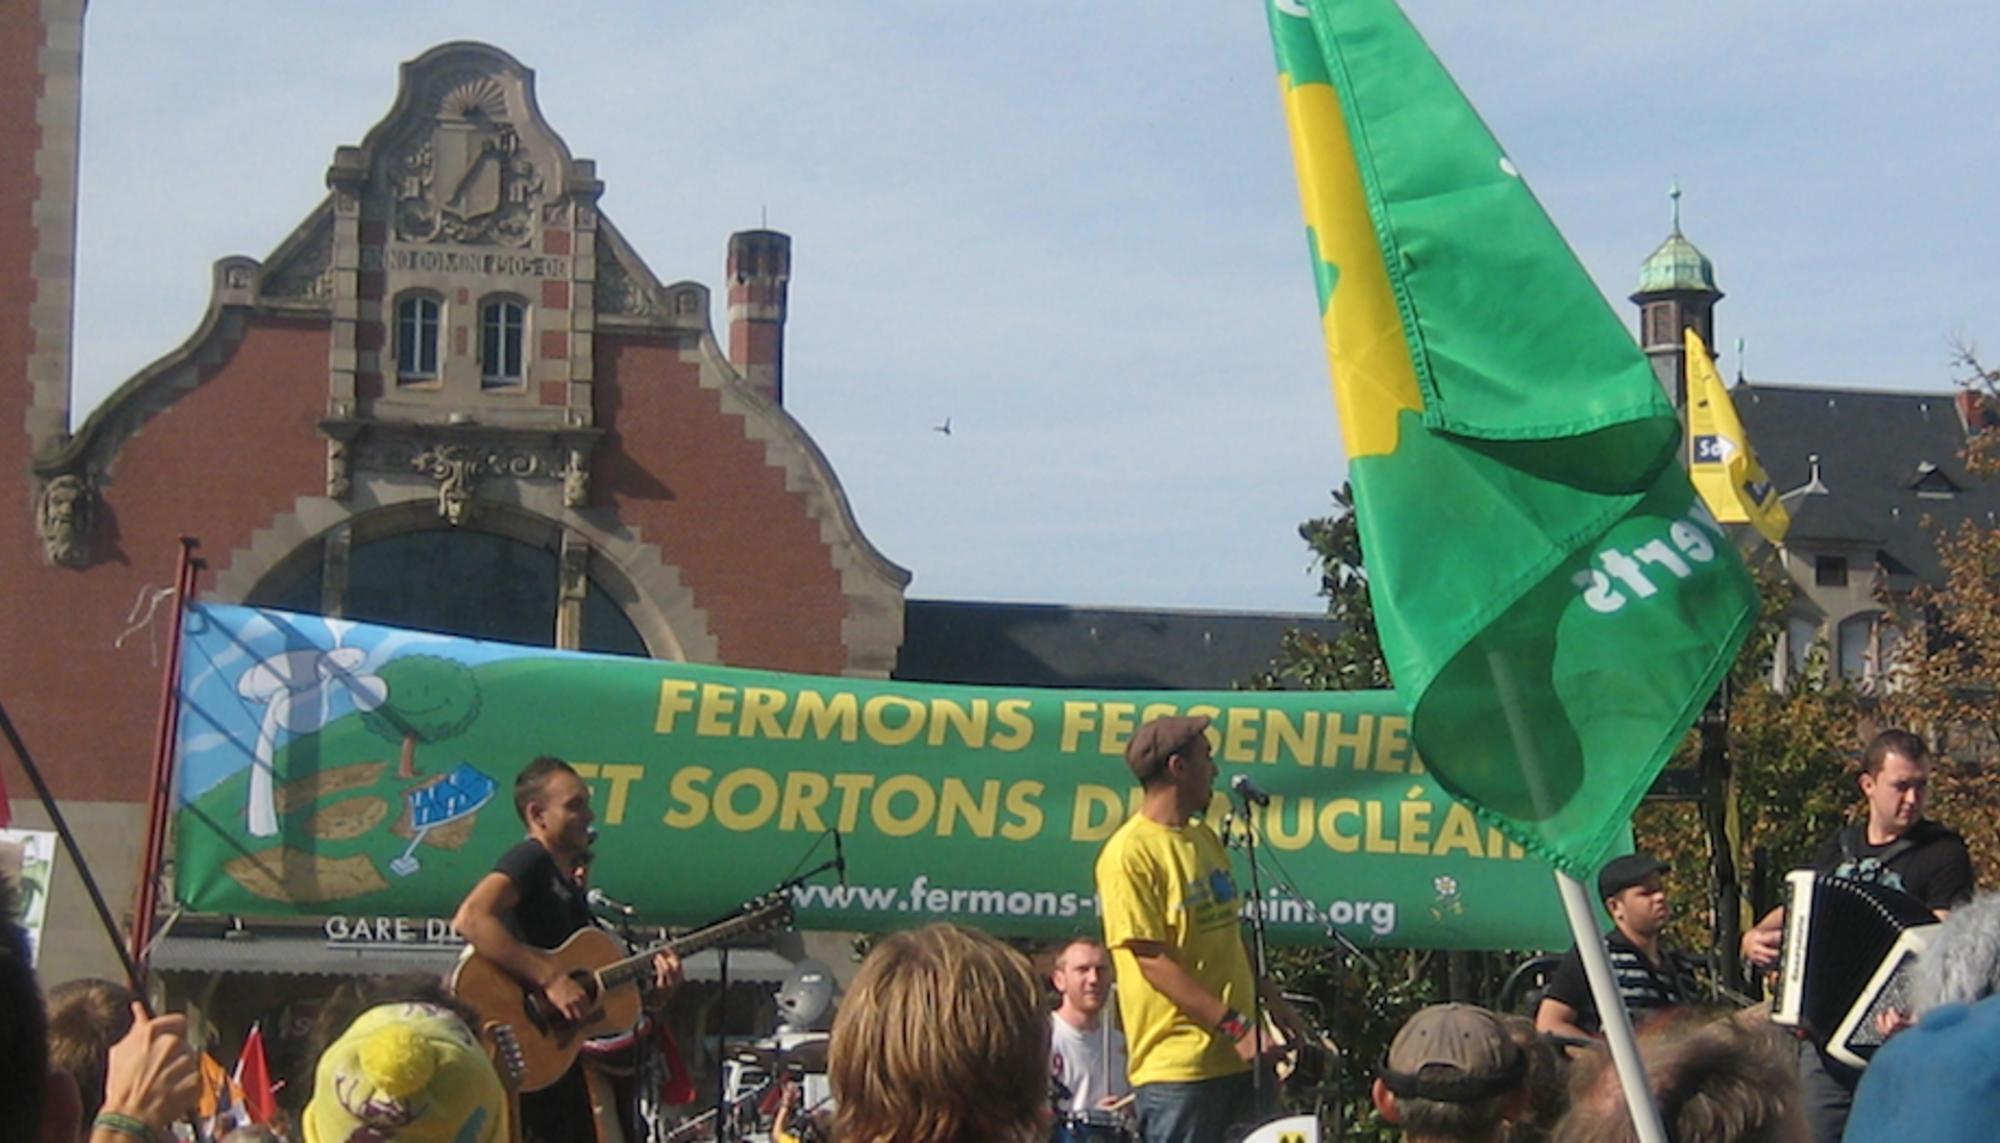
253	1076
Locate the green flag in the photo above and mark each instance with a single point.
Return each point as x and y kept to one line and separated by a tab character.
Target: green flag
1554	603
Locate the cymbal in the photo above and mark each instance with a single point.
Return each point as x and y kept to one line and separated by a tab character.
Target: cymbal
757	1055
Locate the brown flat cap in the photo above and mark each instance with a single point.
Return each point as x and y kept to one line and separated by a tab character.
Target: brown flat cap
1158	740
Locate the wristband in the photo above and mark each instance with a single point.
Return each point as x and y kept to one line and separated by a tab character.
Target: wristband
123	1125
1231	1026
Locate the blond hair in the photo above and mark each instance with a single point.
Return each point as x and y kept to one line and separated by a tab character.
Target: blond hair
942	1039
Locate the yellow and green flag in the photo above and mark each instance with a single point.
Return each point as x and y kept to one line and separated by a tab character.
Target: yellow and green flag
1723	468
1554	603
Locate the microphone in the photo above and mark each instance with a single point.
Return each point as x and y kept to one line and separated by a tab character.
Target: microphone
839	859
601	900
1248	791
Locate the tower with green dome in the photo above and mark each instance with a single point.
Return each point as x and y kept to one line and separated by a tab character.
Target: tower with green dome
1676	291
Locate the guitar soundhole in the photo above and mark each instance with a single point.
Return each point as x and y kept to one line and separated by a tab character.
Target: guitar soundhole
549	1020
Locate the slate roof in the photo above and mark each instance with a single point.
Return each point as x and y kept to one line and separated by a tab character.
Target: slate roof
1054	645
1873	448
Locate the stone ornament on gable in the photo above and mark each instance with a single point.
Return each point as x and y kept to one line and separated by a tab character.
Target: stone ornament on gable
308	273
65	514
468	181
619	293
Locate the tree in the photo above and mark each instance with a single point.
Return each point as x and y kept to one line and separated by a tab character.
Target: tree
430	699
1945	679
1352	659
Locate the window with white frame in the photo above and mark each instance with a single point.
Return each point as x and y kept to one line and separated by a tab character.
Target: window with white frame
417	324
502	330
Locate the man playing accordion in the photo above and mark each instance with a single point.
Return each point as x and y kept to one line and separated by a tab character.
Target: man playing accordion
1895	847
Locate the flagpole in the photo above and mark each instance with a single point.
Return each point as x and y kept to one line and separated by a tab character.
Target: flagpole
160	796
1617	1025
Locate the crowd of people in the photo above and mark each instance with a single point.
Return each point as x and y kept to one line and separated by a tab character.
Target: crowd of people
947	1035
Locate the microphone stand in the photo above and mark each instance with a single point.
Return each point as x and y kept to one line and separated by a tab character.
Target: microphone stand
725	1125
1260	958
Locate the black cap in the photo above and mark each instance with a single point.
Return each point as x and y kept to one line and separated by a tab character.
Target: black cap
1621	873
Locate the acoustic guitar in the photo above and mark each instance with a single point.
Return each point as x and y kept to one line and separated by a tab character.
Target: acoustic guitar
593	958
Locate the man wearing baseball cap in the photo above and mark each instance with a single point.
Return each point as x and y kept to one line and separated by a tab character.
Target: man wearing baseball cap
1172	922
1452	1075
1651	978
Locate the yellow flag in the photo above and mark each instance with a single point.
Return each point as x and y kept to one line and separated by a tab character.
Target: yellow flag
1725	471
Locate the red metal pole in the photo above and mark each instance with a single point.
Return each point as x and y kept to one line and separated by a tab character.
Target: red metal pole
165	731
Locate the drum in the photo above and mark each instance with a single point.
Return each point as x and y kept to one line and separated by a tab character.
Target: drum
1093	1127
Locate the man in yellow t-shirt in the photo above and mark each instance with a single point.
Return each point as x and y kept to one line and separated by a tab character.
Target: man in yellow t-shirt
1172	922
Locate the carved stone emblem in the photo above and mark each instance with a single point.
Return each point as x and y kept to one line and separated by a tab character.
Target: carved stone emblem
339	481
65	515
457	469
469	182
619	293
576	479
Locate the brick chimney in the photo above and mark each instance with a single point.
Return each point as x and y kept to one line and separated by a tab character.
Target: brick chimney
1976	411
760	270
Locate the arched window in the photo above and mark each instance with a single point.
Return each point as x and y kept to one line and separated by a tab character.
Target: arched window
416	338
1801	633
1860	654
502	323
458	582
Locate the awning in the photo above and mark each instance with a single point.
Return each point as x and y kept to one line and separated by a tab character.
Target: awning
308	952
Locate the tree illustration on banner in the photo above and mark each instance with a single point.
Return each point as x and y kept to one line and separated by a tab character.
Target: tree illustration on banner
430	699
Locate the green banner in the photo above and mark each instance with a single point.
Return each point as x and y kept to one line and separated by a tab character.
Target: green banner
330	767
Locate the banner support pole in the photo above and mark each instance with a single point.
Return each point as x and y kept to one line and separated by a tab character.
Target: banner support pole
160	796
61	824
1617	1024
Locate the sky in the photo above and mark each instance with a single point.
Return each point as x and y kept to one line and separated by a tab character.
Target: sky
1072	228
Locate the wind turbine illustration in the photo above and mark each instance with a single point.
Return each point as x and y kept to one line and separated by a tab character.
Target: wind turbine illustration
296	689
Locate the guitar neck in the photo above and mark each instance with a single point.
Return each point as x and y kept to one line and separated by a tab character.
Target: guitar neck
632	967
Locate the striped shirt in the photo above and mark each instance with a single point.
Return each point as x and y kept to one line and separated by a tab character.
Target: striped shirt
1646	988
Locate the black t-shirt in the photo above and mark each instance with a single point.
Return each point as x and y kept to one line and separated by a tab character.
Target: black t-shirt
1647	988
1929	862
552	906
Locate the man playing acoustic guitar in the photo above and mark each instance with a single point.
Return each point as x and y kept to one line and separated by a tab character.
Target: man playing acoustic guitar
531	903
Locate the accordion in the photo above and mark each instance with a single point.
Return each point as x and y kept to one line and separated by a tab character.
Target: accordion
1848	950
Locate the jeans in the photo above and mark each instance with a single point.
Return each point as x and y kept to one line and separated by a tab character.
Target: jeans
1827	1095
1203	1111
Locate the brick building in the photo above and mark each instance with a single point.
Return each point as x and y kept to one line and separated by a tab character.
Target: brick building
454	397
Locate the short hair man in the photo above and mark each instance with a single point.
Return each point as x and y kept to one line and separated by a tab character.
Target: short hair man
1894	846
1086	1054
941	1040
530	904
151	1076
1172	921
86	1017
1651	978
1452	1075
1720	1082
